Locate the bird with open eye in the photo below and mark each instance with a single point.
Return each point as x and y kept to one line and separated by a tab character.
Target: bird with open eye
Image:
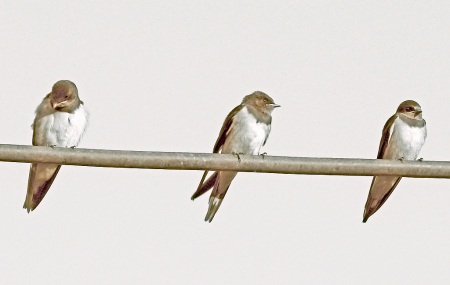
61	120
245	131
403	136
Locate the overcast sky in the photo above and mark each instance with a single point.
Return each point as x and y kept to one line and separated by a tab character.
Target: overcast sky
162	76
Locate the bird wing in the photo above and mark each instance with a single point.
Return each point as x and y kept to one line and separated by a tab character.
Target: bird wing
226	128
380	190
204	187
224	131
268	131
382	186
386	136
39	181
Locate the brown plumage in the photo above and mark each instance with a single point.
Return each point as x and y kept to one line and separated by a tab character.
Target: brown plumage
60	121
244	131
402	138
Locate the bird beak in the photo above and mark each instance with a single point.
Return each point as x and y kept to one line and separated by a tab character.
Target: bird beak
59	105
417	112
274	105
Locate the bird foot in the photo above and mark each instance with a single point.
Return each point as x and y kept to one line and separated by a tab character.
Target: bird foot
401	159
72	147
237	154
420	159
53	146
263	154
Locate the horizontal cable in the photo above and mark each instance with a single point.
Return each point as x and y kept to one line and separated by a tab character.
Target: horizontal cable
211	161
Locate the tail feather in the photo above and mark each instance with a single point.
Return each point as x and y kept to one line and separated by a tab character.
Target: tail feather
204	187
218	193
214	204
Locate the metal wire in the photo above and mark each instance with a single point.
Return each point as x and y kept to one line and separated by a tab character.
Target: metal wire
210	161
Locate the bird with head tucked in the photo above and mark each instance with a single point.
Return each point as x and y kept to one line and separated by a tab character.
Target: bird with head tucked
60	121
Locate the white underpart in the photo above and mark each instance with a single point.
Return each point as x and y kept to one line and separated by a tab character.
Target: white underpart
405	141
246	135
62	129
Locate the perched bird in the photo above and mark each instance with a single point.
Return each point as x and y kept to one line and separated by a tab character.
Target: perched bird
61	120
244	131
403	136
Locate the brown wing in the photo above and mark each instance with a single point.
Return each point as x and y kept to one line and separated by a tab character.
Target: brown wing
380	190
204	187
41	178
268	132
387	131
382	186
225	129
33	142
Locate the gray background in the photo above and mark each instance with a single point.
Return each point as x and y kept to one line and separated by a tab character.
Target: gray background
162	76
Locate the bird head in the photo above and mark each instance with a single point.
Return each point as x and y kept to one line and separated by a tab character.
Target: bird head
410	109
64	96
261	102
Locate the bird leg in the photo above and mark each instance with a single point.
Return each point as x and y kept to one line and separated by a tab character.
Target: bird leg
401	159
263	154
420	159
237	154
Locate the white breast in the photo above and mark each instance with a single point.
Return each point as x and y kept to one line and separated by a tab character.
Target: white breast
246	135
60	128
405	141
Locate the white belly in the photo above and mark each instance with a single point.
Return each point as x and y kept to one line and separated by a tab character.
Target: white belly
60	128
246	135
405	141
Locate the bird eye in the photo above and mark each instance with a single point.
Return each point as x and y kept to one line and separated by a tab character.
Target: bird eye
265	100
409	109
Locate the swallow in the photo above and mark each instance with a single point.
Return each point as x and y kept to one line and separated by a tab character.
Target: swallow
245	131
403	136
61	120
